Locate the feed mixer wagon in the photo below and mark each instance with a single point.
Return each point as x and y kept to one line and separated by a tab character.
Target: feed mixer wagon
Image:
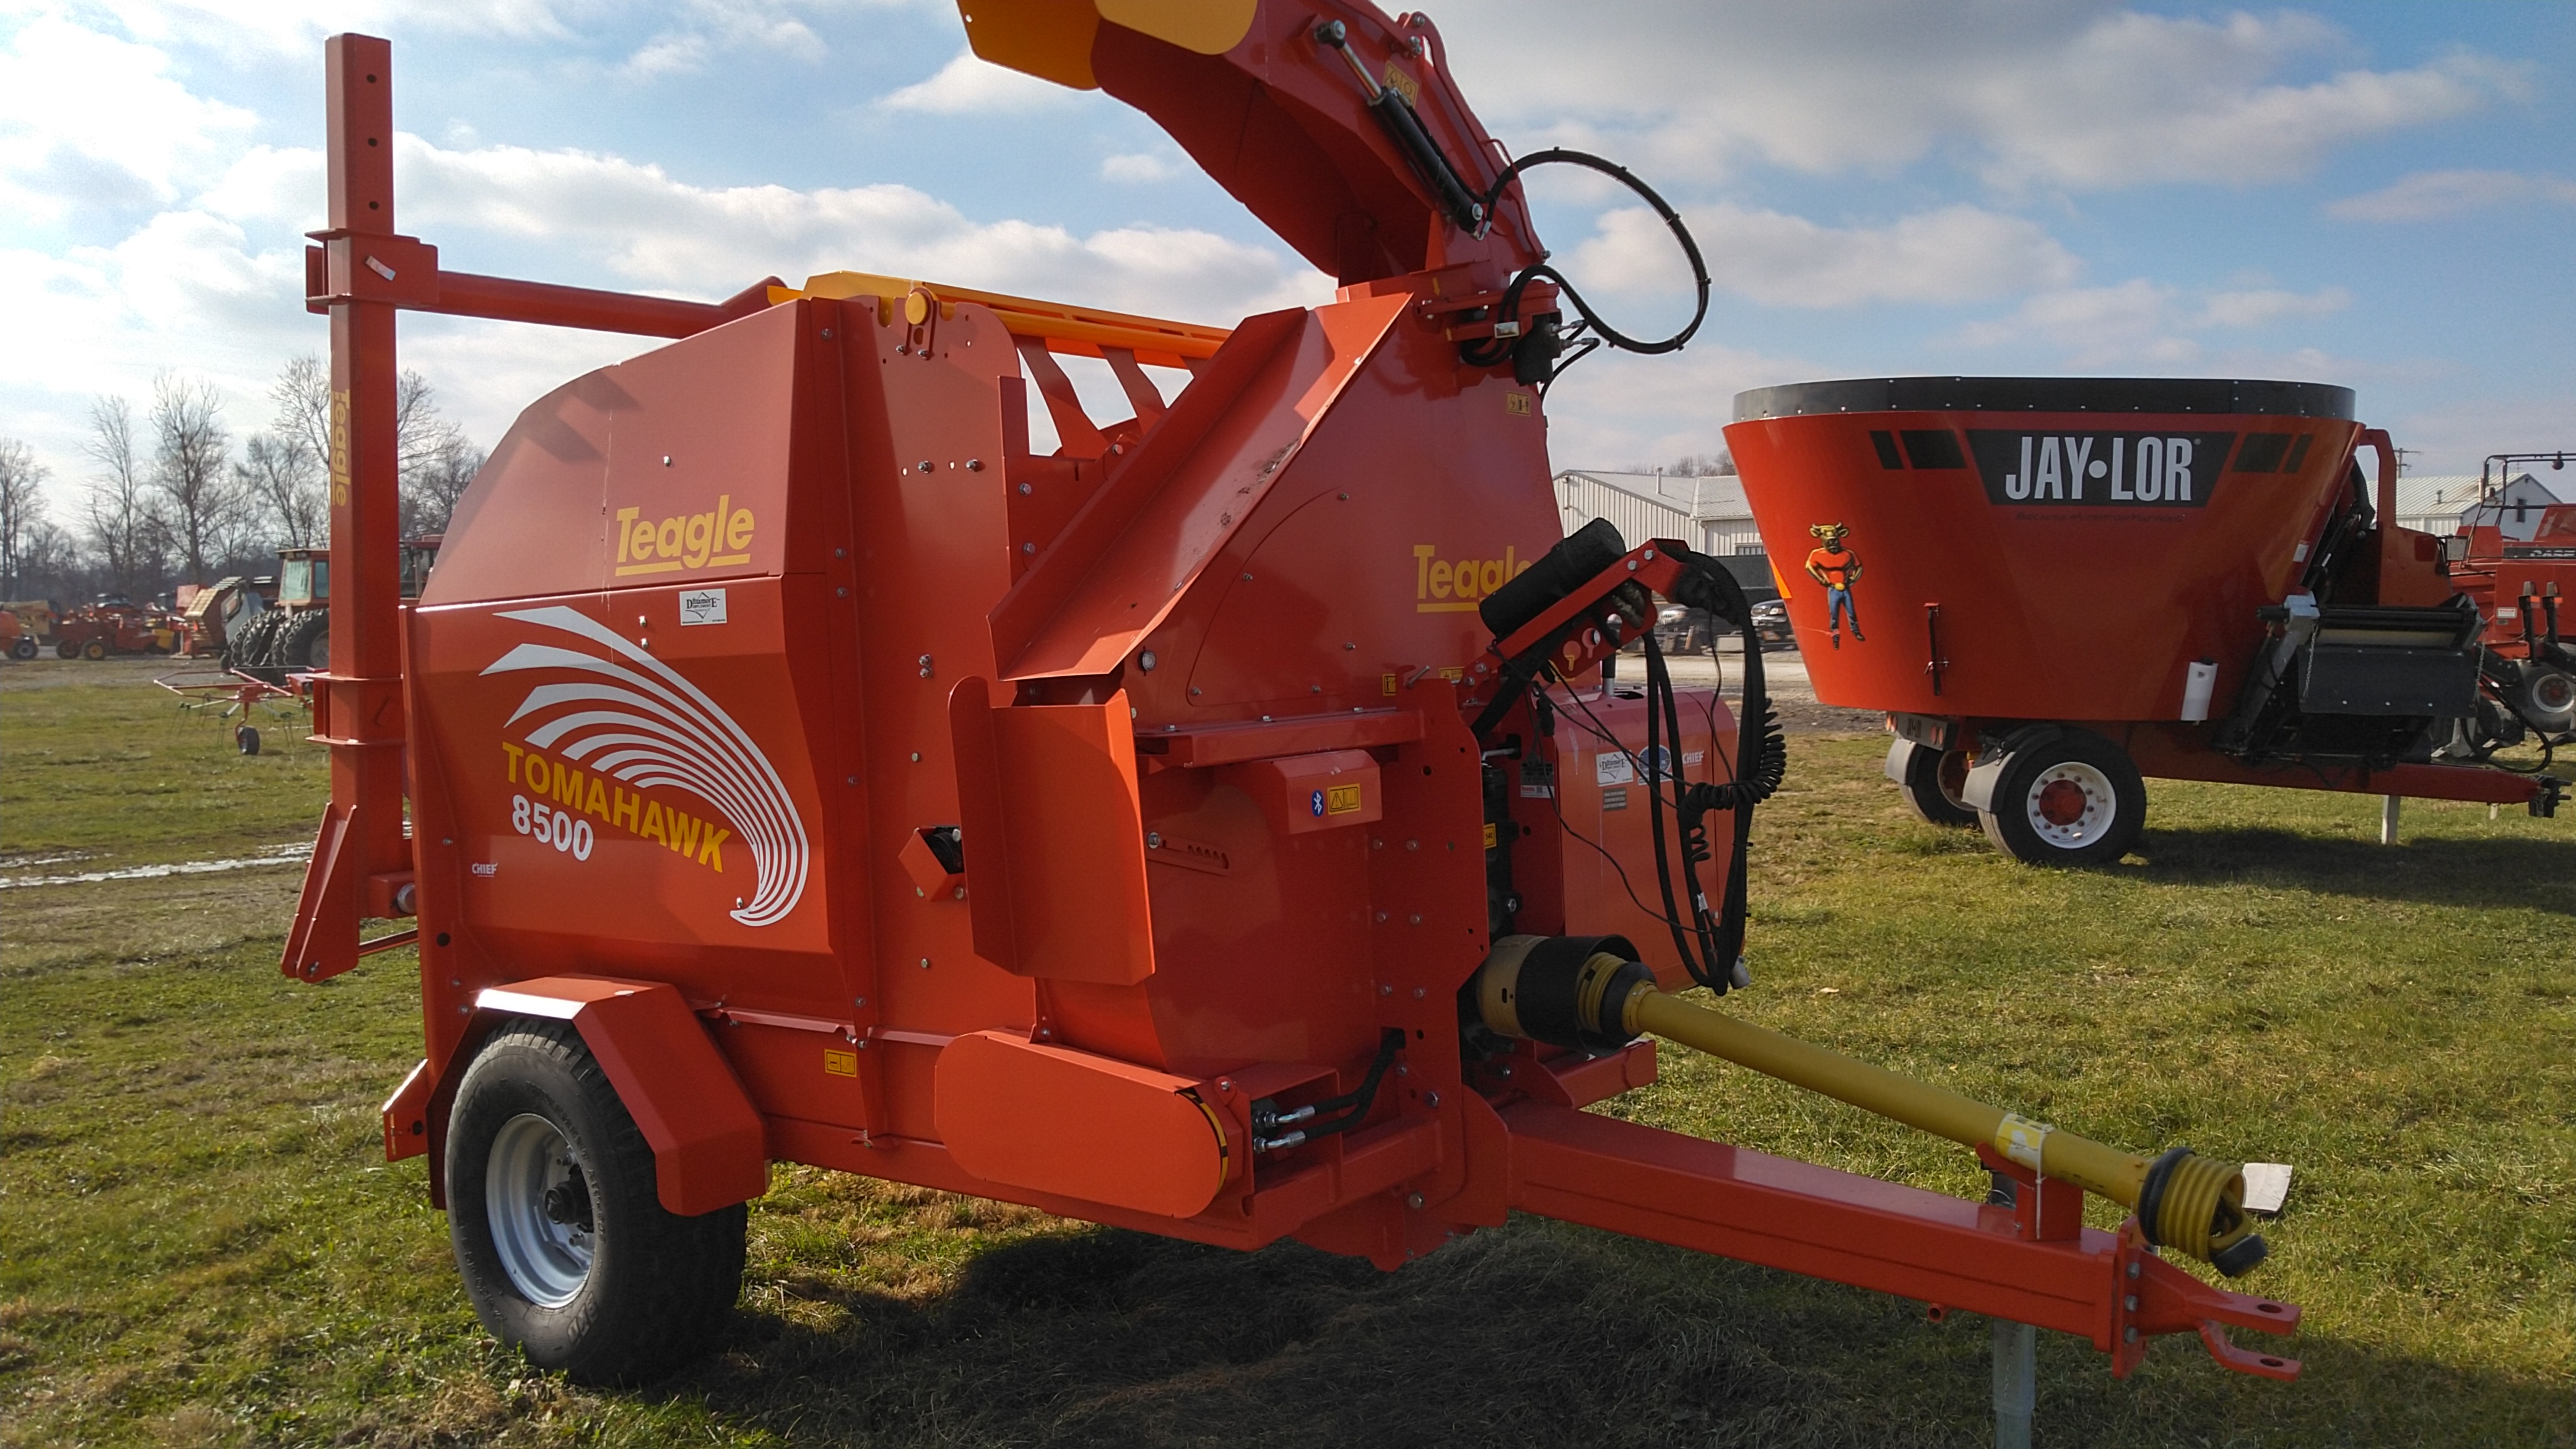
1213	825
2055	587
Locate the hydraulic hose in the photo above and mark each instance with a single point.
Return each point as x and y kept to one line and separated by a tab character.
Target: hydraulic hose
1591	993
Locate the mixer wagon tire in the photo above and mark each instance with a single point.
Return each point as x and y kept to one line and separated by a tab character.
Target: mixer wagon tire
95	650
2072	799
24	649
566	1252
1930	780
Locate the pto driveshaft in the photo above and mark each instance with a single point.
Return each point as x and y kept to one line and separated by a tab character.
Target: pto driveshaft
1591	993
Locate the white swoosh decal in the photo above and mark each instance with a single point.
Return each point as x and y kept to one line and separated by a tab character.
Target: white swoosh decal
648	726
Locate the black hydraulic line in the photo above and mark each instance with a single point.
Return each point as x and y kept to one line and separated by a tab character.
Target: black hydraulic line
1510	306
1404	128
1354	1106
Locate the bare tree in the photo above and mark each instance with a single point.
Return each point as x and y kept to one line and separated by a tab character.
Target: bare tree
192	468
430	494
432	458
123	525
282	477
22	512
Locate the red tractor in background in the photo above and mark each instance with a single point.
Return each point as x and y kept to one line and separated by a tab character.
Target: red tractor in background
114	624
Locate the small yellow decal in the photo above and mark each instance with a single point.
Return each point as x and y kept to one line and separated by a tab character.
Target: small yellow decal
840	1064
1489	835
339	466
1517	404
1403	85
1386	684
1341	799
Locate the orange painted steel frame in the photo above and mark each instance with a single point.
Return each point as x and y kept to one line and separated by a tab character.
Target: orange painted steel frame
2082	614
722	637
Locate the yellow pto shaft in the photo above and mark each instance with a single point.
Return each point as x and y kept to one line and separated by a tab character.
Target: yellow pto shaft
1590	992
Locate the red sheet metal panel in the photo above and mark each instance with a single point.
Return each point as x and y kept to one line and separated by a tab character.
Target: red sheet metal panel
1066	1122
2081	561
1055	844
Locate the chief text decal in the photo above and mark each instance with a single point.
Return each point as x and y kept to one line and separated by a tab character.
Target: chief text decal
2099	470
620	714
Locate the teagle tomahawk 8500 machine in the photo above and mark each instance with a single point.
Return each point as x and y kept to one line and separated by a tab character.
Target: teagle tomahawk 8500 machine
1213	826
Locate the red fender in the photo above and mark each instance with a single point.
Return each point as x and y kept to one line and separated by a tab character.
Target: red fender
709	1147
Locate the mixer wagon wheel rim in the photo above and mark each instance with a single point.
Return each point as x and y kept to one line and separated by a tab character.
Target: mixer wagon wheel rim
2072	804
94	650
2074	800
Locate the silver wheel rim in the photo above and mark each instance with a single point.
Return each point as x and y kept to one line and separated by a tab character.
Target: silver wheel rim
547	1261
2077	811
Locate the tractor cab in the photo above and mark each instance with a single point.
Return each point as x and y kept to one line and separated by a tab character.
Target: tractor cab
303	578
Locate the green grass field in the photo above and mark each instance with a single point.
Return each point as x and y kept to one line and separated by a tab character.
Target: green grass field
200	1242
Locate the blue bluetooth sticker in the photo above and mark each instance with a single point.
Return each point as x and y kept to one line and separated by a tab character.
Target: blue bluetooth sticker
1315	803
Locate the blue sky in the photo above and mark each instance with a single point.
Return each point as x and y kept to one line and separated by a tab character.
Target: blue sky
2373	195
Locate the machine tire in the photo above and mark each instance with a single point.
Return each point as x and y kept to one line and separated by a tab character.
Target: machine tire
538	1140
2070	799
23	650
67	650
306	644
1930	780
249	653
94	650
246	739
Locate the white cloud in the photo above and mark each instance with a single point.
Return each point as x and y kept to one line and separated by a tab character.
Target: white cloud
2261	306
215	286
2083	96
2429	194
1615	408
82	112
970	86
2141	323
1137	167
1953	254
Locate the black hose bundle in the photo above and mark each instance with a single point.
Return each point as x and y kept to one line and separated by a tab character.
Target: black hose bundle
1712	949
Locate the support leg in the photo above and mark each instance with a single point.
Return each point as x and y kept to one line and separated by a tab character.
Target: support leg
2388	818
2016	1347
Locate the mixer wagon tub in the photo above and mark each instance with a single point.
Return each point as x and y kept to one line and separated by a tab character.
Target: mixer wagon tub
2055	587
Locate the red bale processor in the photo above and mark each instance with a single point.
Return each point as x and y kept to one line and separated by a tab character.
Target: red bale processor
2519	580
1214	826
2055	587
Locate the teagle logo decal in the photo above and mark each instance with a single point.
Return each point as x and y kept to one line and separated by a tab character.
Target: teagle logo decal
1441	586
2099	470
618	712
720	536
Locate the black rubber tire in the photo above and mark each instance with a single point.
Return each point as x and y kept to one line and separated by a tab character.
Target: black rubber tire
1933	780
94	651
249	651
659	1287
306	642
2112	798
246	739
24	649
